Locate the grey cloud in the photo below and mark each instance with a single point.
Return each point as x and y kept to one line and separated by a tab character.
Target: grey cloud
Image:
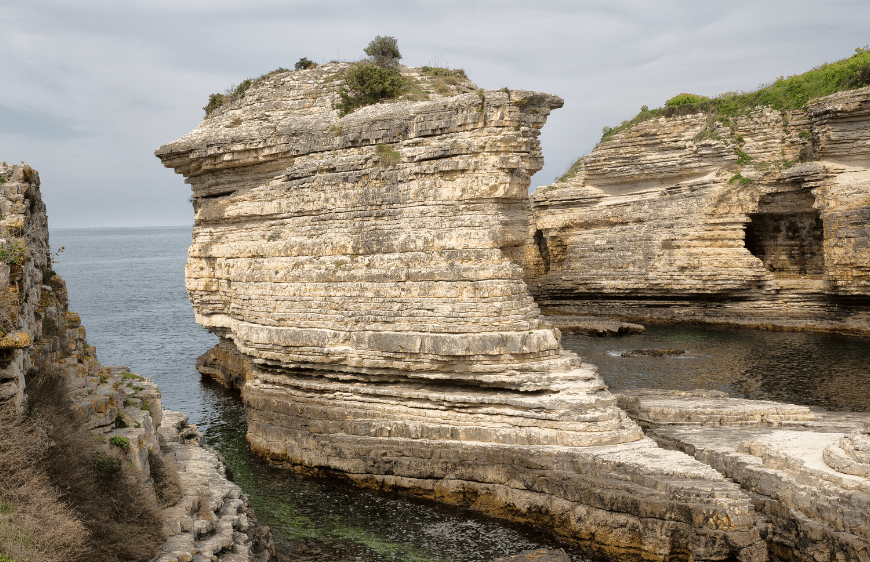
133	76
36	125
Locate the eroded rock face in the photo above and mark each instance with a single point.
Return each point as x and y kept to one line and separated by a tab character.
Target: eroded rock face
688	219
363	274
40	331
807	472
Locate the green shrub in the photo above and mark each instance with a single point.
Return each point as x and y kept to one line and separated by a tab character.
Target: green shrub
121	421
741	180
805	134
304	64
120	442
683	99
365	84
742	157
387	156
106	465
13	253
384	51
214	102
47	275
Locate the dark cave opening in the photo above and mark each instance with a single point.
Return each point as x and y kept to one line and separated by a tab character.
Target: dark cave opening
787	235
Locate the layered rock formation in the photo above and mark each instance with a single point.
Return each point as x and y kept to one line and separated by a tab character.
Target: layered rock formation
807	472
40	331
363	274
760	220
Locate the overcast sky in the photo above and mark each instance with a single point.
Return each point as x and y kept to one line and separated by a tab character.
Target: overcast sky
89	89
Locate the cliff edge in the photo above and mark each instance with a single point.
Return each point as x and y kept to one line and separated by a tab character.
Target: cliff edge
92	469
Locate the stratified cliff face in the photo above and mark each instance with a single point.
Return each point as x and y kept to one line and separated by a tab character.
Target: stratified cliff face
690	219
363	273
39	331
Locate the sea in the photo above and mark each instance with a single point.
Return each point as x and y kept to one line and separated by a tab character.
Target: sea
128	286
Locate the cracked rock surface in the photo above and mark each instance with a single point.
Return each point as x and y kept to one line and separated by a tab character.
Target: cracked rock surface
213	520
806	471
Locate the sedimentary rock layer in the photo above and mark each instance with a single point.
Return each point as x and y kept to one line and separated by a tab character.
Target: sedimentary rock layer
38	330
807	472
363	274
760	219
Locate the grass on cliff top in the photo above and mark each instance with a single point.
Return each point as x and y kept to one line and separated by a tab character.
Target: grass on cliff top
791	92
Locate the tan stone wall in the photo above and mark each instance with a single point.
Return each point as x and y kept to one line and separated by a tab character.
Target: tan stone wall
662	222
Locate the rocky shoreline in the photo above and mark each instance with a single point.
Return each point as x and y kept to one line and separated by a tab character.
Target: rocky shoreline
213	520
373	313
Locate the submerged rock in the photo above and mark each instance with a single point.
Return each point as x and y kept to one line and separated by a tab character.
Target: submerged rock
541	555
364	275
666	352
592	325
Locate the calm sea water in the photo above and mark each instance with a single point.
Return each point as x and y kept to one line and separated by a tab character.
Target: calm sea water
128	286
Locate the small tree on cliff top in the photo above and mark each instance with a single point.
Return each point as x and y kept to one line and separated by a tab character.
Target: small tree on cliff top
384	51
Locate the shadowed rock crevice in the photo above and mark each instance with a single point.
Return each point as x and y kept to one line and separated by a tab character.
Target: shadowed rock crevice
787	235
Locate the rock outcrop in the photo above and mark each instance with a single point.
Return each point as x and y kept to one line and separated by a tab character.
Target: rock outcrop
213	520
364	275
760	220
807	472
119	407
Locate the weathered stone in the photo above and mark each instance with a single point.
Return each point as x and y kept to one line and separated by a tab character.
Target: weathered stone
541	555
225	529
592	325
685	219
650	407
805	471
374	314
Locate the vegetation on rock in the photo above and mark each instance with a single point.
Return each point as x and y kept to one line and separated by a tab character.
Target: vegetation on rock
784	93
238	91
368	83
387	156
683	99
64	495
792	92
304	64
384	51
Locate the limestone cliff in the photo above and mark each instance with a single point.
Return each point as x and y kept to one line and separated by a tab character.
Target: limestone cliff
808	473
38	330
759	220
363	273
